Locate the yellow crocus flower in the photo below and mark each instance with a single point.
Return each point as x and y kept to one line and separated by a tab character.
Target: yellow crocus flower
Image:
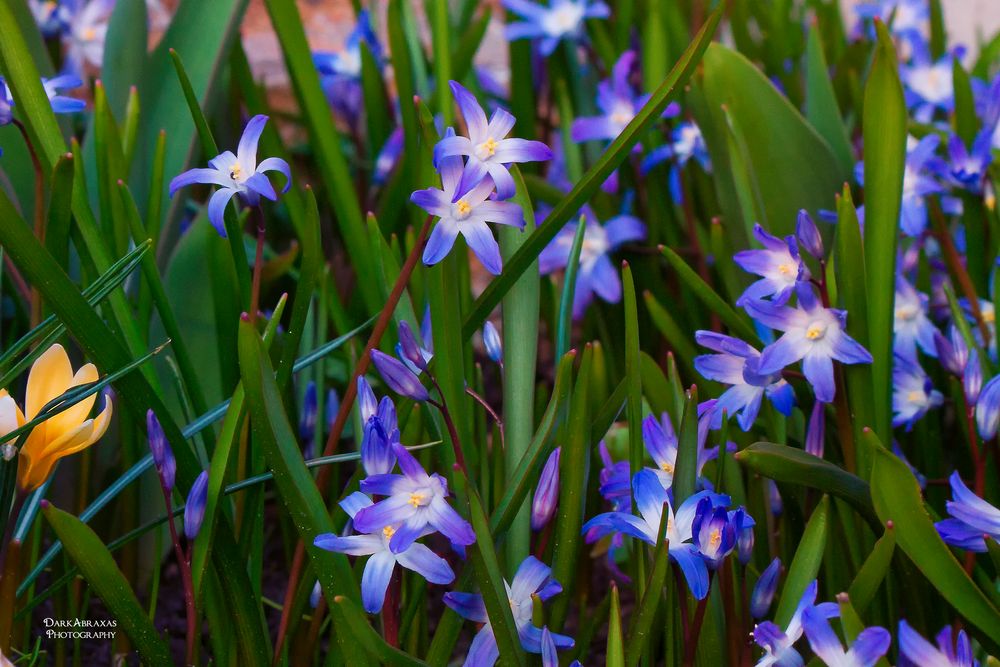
65	433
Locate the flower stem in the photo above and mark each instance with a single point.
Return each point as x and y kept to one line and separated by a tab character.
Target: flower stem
694	630
258	265
36	296
184	563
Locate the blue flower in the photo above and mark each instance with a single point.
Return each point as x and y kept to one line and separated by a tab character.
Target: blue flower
61	103
714	534
380	431
778	264
764	590
743	525
952	351
988	409
908	16
967	168
618	103
414	500
387	157
813	334
972	378
615	485
340	71
971	518
6	104
686	143
778	644
194	508
533	578
988	313
650	498
660	440
487	148
911	327
307	420
597	274
398	376
561	19
870	645
737	365
928	83
466	212
546	498
379	568
915	651
492	343
238	174
912	393
410	351
807	233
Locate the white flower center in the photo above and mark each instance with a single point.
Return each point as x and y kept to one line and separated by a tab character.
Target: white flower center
816	330
622	115
907	312
563	19
461	209
487	149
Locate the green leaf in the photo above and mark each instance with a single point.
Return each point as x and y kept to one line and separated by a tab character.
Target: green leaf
805	563
789	465
615	154
565	325
884	130
852	290
792	166
295	485
105	579
822	110
520	336
616	649
371	641
686	470
738	324
897	498
574	473
125	49
633	408
873	571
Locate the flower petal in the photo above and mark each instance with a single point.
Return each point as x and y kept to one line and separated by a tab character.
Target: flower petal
375	580
246	153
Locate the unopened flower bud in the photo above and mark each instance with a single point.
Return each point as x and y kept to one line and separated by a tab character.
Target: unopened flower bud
763	591
194	509
398	377
543	505
163	456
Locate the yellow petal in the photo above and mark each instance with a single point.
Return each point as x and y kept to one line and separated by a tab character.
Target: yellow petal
10	415
74	415
49	377
38	461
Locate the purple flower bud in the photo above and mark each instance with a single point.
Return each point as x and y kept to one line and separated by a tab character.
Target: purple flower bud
315	595
307	424
972	378
491	339
816	432
194	509
763	591
952	351
808	235
777	504
543	505
408	349
398	377
163	456
367	403
988	409
743	524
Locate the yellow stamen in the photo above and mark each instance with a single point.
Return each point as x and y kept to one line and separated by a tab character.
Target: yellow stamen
89	35
489	147
667	467
416	499
815	331
235	172
388	532
463	207
784	269
715	538
915	396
